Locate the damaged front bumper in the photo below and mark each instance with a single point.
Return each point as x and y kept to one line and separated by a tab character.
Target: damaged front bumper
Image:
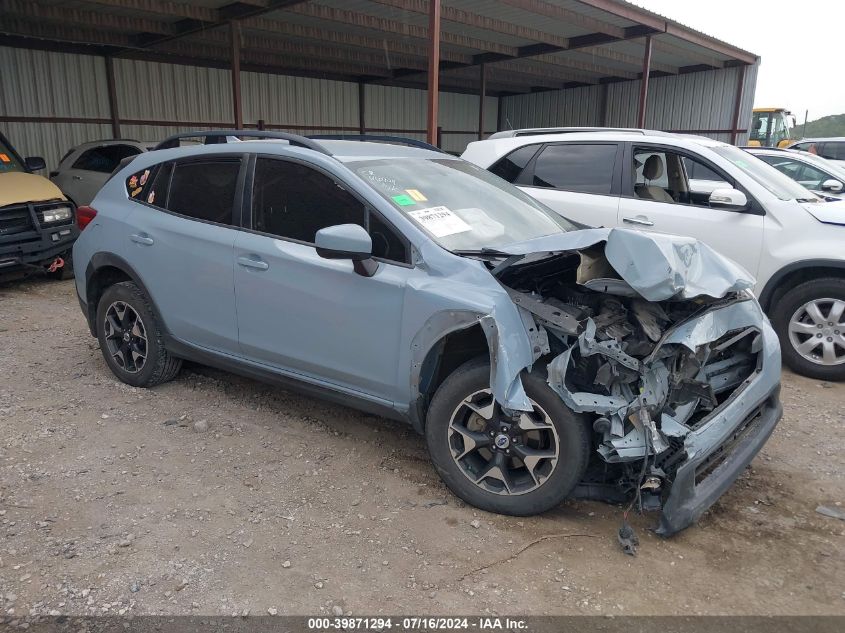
696	456
682	391
726	441
726	448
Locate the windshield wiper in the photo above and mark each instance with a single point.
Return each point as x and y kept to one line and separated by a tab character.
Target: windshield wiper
484	252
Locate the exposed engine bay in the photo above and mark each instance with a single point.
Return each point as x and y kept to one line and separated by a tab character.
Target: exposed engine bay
624	361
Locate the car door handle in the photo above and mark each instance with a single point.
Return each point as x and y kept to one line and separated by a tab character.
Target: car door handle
142	238
76	177
253	262
641	220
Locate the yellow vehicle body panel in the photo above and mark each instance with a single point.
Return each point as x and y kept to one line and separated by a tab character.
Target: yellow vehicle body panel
17	187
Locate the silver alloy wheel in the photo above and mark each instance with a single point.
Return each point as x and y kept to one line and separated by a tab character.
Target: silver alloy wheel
126	337
499	454
817	331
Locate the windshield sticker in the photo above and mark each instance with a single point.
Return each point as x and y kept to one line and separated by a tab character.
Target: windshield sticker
5	158
416	195
403	200
385	183
440	221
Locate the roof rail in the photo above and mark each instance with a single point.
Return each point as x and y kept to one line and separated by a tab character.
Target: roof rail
537	131
212	137
378	138
768	149
111	140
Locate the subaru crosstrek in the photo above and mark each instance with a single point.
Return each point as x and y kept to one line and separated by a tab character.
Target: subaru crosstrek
540	361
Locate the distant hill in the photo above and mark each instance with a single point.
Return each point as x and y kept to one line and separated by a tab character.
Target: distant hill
833	125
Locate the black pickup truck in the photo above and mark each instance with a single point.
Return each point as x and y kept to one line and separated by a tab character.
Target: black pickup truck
37	223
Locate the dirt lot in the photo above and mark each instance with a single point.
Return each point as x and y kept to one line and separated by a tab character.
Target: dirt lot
115	500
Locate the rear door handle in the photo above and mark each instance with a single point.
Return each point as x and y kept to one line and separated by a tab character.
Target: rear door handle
76	177
142	238
641	220
253	262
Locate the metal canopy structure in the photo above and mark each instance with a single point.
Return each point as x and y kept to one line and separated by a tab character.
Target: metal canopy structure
492	47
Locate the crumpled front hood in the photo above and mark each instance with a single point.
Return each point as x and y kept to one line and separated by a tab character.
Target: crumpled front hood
829	212
18	187
655	265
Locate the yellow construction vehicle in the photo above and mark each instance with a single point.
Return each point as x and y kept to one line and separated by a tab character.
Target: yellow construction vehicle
771	127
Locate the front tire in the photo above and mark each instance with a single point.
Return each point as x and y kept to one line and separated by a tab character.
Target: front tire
131	339
810	322
517	467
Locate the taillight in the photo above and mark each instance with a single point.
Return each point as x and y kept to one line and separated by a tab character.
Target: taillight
84	215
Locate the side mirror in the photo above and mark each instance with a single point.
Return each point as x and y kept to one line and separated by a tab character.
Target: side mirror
833	186
35	163
347	241
728	199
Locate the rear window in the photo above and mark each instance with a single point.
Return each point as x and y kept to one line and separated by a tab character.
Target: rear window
136	182
511	166
574	167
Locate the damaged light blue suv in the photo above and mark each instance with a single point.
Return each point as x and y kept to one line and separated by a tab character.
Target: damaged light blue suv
540	361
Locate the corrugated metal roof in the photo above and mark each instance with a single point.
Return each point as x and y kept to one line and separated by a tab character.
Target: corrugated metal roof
605	33
529	46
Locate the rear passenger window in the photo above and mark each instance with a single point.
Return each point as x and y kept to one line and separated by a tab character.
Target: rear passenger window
511	166
204	190
572	167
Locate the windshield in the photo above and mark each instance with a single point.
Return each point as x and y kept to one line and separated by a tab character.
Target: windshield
463	207
765	175
760	128
9	160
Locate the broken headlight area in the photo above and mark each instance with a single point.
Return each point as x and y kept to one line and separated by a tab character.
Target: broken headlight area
611	354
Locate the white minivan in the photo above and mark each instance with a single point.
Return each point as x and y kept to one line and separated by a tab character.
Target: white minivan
786	236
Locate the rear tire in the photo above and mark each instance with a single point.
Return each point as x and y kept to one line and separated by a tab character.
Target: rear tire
810	322
483	444
131	338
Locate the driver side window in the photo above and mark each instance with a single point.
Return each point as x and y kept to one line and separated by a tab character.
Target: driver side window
294	201
664	176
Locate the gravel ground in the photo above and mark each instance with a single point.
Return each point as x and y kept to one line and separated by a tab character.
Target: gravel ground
215	494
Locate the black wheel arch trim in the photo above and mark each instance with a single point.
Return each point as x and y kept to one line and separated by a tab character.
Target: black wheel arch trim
775	280
102	260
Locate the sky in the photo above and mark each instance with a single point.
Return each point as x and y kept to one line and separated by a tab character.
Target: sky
800	45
